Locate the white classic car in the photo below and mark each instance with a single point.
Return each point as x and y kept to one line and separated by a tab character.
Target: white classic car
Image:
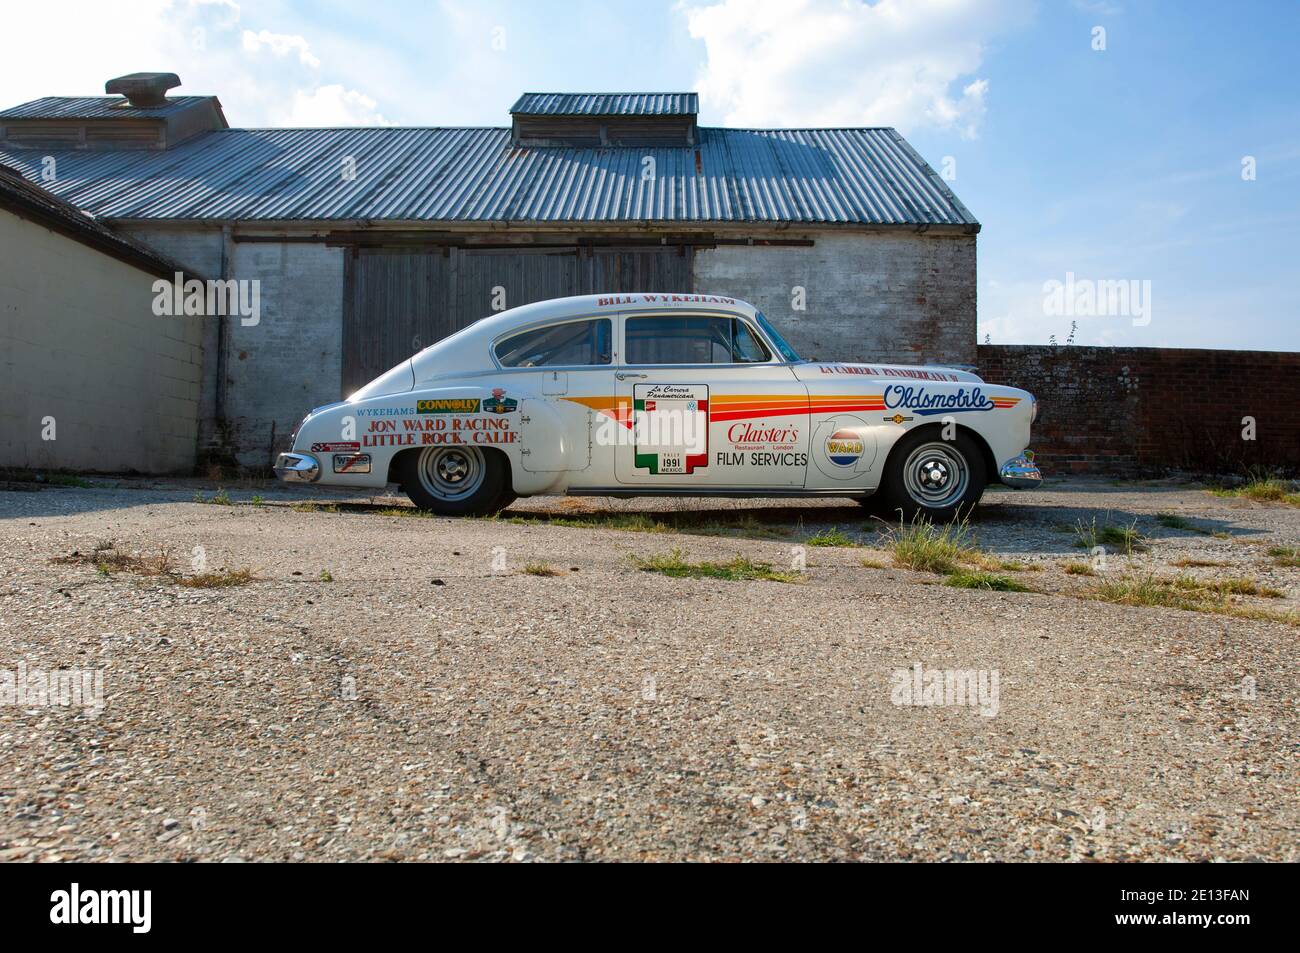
651	394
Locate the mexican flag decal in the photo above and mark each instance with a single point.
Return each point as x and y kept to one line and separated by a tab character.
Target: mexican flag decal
671	427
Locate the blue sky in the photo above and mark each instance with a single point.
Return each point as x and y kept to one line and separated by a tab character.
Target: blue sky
1122	163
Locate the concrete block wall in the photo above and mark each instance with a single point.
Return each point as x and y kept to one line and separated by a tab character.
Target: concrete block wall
79	343
885	297
199	249
292	359
279	368
1131	410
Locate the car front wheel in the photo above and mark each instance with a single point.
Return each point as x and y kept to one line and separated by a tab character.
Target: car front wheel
455	481
931	477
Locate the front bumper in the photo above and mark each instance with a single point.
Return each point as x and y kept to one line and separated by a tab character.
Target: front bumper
297	468
1020	473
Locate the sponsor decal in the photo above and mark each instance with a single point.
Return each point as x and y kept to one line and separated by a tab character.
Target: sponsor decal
927	404
341	446
438	430
448	405
671	428
761	458
780	438
498	403
351	463
897	419
385	411
866	370
844	448
662	299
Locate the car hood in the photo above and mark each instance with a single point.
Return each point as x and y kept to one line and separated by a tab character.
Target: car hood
397	381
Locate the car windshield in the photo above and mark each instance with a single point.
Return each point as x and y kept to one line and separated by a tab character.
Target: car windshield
786	351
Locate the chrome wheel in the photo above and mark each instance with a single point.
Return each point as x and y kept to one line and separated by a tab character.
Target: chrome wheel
451	473
936	475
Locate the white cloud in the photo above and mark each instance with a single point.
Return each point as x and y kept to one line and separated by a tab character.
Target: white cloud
262	77
844	62
334	106
280	44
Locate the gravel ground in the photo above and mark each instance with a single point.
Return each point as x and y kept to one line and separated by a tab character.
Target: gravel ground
399	688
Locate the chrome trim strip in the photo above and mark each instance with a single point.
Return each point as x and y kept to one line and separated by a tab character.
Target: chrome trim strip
636	489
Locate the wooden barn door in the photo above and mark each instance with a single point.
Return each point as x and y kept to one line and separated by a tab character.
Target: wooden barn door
400	300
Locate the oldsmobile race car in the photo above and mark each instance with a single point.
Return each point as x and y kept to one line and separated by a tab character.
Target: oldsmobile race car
654	394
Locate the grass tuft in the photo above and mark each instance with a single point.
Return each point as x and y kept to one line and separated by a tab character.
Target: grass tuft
1174	521
540	569
108	559
675	565
220	498
1190	562
1285	555
1262	489
968	579
1124	539
831	537
922	546
1079	569
311	506
1191	595
221	579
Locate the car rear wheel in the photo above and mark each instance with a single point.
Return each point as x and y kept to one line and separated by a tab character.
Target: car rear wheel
455	481
931	477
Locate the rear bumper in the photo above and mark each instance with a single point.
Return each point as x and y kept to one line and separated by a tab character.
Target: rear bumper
297	468
1021	473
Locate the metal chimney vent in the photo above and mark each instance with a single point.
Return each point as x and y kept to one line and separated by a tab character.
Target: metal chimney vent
143	90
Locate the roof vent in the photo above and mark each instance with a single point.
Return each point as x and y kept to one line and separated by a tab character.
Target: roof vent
143	90
587	120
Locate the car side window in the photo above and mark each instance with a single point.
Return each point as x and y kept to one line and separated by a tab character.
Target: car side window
691	340
568	344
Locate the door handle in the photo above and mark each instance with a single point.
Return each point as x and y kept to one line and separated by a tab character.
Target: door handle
624	375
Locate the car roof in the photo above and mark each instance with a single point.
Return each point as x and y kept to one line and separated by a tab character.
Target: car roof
583	305
467	348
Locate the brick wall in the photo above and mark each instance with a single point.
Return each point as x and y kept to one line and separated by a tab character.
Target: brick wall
1129	410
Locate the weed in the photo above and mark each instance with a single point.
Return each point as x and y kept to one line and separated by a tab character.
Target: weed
220	579
1285	555
1079	569
108	559
967	579
540	569
1190	595
1174	521
1262	489
740	568
925	547
830	537
1125	539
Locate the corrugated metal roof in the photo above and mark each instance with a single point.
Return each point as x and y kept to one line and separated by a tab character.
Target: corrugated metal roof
606	104
30	201
96	107
804	176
